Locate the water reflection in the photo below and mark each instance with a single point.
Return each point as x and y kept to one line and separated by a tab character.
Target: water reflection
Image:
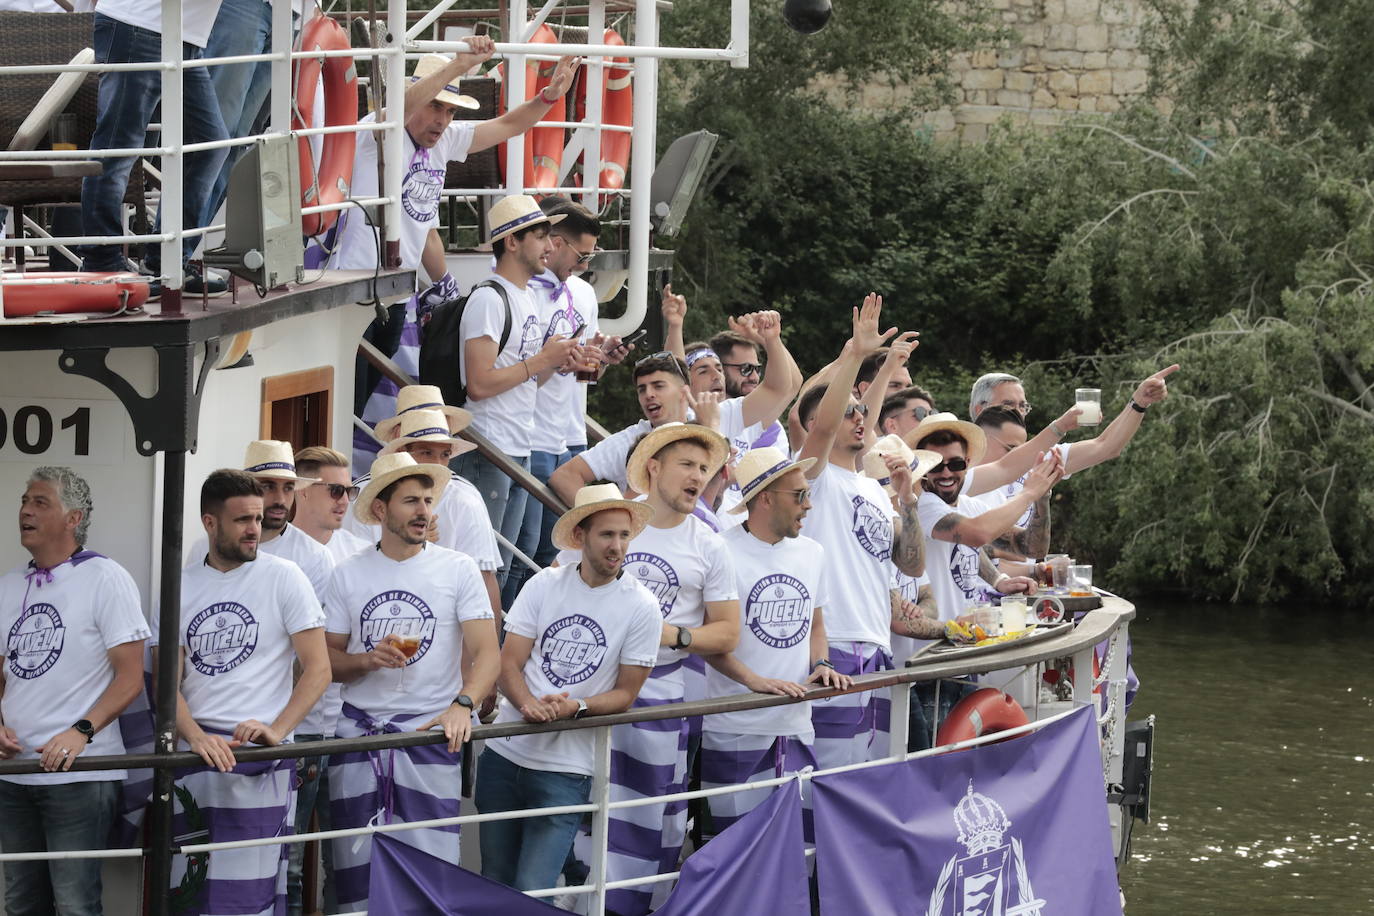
1264	762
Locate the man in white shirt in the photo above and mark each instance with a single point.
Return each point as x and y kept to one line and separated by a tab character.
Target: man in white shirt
412	640
580	641
782	645
854	520
70	662
322	507
247	619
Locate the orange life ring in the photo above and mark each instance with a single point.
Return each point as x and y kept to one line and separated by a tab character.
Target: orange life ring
543	145
982	712
617	107
71	292
330	182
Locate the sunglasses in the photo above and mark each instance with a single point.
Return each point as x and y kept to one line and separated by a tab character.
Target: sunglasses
803	495
748	370
584	258
337	490
954	464
920	413
665	355
860	409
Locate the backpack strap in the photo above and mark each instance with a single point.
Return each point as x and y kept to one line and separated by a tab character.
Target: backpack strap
510	315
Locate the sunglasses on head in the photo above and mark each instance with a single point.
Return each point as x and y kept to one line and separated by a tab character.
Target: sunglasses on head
337	490
745	369
860	409
954	464
664	355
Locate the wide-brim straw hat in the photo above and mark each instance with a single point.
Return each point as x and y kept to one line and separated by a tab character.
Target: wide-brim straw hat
273	460
388	469
425	426
450	94
422	397
516	212
919	460
636	470
599	498
933	423
758	468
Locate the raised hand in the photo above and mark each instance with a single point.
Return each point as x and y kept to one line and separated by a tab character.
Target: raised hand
480	49
562	75
432	532
556	352
1154	389
673	306
707	408
902	347
1045	474
900	474
866	335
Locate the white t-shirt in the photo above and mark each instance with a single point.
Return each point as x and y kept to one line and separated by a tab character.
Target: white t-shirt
324	716
431	594
903	647
356	244
560	408
344	543
464	524
607	459
582	636
852	518
507	419
197	16
952	568
236	630
292	544
56	639
779	590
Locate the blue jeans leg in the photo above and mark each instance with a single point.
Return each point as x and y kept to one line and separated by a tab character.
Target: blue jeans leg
545	553
312	796
53	818
531	528
505	502
532	852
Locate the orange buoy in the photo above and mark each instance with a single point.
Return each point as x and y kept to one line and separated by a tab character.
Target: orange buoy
617	108
71	292
543	145
982	712
329	183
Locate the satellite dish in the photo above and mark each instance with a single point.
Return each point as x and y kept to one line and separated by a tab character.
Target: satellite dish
806	16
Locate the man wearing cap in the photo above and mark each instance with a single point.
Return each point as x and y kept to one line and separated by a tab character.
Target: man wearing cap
411	638
864	539
247	619
782	645
580	641
71	659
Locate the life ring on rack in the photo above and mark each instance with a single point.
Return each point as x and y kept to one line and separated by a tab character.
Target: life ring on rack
329	183
543	145
982	712
617	108
71	292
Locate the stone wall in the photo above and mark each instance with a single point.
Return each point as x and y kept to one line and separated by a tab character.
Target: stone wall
1071	56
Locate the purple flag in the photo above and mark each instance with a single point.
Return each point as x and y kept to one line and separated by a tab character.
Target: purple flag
756	865
1012	829
406	881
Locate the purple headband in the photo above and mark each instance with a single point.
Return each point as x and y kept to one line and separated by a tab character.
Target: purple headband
271	466
423	407
747	490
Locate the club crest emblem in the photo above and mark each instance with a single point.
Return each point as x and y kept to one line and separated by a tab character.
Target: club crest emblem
221	637
658	576
572	649
872	528
35	641
778	611
992	878
401	613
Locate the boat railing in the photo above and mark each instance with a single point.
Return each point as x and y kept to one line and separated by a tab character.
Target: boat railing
1105	693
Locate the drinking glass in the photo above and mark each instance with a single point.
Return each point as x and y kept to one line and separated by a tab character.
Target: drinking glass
1059	567
409	644
1080	581
1089	402
1014	614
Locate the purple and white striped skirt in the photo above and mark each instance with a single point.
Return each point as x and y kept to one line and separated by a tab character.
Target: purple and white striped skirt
853	727
730	759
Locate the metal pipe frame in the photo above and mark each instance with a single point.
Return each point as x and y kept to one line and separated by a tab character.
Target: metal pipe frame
510	50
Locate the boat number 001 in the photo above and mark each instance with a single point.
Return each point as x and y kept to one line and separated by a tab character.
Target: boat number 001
32	430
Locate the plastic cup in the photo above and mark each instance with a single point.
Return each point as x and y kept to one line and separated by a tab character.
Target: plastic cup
1014	614
1080	581
1089	403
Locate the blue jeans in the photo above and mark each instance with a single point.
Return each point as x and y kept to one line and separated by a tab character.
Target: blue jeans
125	103
526	854
70	815
312	796
921	719
533	533
505	501
545	553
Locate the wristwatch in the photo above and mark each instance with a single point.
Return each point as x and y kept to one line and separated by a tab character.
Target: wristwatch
85	727
464	701
684	638
823	662
581	708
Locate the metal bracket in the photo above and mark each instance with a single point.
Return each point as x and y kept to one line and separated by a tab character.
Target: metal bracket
167	421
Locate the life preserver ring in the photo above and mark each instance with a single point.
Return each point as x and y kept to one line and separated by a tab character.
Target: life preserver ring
617	108
543	145
71	292
982	712
329	183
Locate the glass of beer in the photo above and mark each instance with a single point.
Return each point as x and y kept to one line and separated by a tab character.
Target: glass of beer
1089	402
1080	581
590	367
409	644
1059	569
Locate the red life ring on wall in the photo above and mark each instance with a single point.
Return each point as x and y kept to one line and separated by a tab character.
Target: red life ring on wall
71	292
330	182
617	107
982	712
543	145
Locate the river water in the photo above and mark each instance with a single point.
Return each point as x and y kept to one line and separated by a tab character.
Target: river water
1264	762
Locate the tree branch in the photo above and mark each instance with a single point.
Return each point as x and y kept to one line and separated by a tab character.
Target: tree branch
1341	403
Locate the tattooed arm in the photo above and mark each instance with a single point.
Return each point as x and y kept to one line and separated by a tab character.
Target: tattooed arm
909	618
909	542
1034	539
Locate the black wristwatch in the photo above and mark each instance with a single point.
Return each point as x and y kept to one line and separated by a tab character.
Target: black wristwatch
684	638
85	727
581	708
464	701
823	663
1136	407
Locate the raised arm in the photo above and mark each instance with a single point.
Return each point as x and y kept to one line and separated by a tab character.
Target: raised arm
1032	540
1021	459
522	117
897	355
780	383
979	530
674	308
909	543
1118	434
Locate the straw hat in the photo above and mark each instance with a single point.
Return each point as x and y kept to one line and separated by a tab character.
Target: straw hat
934	423
598	498
516	212
422	397
449	95
758	468
388	469
273	460
920	461
636	471
424	426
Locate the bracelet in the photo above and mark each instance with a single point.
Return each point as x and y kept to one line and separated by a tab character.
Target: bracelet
999	579
545	100
824	662
1054	425
1137	408
526	364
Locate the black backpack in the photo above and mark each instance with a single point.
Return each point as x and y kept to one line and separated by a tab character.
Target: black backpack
441	347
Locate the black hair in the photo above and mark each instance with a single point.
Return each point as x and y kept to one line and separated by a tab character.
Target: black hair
868	369
223	485
499	247
896	402
943	437
577	219
386	492
726	341
669	364
995	417
806	408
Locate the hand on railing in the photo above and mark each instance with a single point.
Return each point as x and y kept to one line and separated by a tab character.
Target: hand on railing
254	732
9	743
456	721
827	676
214	750
58	752
776	687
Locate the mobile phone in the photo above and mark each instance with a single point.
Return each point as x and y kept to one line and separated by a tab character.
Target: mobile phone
634	338
577	334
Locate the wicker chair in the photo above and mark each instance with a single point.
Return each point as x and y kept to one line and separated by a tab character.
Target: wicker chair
48	38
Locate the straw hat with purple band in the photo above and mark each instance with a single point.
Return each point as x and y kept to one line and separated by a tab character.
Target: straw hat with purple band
934	423
449	95
421	397
516	212
920	461
273	460
425	426
758	468
388	469
598	498
636	471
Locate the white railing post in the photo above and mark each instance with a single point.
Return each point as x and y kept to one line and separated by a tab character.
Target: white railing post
393	148
1115	695
739	32
515	97
281	69
899	724
173	160
642	164
594	81
601	817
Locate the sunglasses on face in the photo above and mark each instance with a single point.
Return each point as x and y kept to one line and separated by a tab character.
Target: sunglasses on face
920	413
338	490
583	258
748	370
954	464
803	495
860	409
